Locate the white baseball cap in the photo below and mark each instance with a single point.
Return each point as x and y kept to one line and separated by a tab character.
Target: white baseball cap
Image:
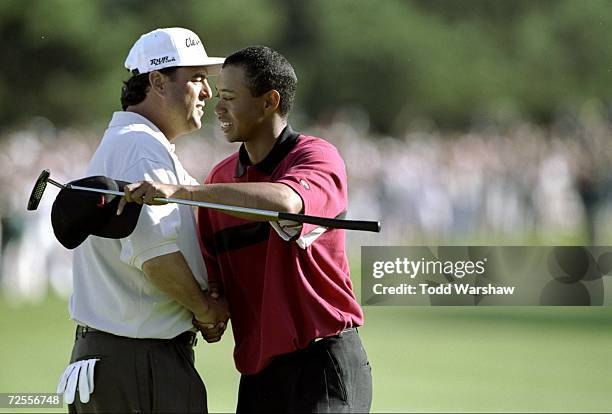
169	47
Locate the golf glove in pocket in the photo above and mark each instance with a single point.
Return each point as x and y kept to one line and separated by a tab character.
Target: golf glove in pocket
79	375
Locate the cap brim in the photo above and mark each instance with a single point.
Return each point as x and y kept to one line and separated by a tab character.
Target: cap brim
213	65
68	232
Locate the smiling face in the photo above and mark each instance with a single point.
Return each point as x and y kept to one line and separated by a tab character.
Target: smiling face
240	113
187	89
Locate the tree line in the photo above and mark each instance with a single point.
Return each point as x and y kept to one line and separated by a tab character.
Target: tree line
451	63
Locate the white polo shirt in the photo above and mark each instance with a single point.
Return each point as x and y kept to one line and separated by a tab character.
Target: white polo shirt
111	293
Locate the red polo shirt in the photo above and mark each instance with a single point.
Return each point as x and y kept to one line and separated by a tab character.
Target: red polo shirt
280	295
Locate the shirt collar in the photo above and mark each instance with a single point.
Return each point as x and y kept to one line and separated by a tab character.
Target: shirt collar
126	118
284	143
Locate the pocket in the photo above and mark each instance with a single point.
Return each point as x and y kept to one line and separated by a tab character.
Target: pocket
336	386
364	358
100	358
362	393
175	385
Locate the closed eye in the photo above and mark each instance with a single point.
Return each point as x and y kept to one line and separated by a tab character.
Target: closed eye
225	94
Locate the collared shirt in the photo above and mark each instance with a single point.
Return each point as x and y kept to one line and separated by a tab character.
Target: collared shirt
111	292
282	294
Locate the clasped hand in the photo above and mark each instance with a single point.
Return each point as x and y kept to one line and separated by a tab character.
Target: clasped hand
213	323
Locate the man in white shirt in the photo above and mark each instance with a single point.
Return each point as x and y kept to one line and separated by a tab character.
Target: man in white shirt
136	299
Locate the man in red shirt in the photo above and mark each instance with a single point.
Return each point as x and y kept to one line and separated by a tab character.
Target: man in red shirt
294	313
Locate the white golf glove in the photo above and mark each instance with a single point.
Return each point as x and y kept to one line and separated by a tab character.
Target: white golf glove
79	373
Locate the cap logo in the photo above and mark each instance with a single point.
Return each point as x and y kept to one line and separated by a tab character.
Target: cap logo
159	61
170	47
192	42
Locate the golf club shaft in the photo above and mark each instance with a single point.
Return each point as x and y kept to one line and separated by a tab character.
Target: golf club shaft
55	183
222	207
373	226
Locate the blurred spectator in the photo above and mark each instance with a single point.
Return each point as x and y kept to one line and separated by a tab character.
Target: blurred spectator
493	185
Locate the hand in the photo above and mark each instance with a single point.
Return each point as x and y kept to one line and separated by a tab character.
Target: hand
214	333
145	192
213	323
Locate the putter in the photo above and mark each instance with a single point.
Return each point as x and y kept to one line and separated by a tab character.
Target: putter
334	223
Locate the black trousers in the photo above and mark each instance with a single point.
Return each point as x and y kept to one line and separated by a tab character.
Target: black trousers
331	375
140	375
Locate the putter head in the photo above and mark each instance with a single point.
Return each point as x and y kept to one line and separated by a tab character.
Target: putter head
38	190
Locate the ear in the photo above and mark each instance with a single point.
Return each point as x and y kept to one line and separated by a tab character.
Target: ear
158	82
271	101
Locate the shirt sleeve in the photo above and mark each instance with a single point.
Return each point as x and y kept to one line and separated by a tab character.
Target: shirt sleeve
158	226
318	176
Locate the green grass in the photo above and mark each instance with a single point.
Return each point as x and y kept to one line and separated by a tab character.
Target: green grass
424	359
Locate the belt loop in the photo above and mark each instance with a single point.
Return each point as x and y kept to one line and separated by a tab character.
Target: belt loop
188	337
82	330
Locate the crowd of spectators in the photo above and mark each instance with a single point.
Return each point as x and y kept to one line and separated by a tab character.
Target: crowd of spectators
493	185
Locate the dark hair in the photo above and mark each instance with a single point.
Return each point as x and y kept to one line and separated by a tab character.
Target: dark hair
134	90
266	69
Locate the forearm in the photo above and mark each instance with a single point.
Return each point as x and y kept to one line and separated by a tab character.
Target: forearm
171	274
264	196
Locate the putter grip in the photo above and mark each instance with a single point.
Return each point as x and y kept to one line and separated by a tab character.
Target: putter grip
361	225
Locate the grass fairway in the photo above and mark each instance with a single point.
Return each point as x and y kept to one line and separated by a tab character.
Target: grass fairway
424	359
